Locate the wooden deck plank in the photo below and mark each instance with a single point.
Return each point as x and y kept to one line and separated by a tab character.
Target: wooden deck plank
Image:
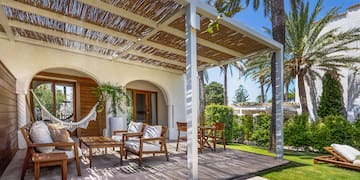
212	165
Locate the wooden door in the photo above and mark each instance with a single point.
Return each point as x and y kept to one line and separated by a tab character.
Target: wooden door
141	106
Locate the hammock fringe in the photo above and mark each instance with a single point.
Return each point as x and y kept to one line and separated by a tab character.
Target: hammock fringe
71	126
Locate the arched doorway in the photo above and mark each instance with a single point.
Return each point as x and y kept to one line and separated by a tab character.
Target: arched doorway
148	103
69	95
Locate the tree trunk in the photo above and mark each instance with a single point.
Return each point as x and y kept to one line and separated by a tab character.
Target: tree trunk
225	85
278	32
202	98
262	93
302	93
286	92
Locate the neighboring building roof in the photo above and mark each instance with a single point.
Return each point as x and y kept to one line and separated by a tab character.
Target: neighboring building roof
290	108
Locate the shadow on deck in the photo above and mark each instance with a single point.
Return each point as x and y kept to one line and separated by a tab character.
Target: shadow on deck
229	164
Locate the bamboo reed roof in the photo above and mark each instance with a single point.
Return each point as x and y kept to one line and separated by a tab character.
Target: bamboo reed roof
148	33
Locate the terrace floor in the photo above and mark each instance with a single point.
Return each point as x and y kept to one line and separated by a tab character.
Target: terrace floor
229	164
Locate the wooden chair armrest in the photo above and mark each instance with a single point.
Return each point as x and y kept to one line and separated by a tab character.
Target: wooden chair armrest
119	131
53	144
127	135
152	139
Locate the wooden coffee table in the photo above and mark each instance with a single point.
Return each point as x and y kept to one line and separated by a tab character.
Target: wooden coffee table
100	142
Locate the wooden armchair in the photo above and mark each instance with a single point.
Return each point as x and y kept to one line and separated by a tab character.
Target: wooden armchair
31	150
147	142
134	127
182	127
217	134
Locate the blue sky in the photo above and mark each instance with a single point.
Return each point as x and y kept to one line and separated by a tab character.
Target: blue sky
256	20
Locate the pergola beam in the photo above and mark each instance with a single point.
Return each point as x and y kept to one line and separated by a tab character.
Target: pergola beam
153	24
120	60
5	24
66	19
60	47
63	35
158	58
209	11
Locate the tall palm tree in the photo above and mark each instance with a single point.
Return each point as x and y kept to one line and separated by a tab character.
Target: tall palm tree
259	69
224	69
203	76
276	10
311	50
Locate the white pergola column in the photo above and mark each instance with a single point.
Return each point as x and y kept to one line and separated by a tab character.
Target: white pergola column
191	90
21	117
279	81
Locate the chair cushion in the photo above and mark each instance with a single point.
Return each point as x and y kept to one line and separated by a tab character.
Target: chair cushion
119	138
152	132
134	145
39	133
70	153
59	134
116	138
135	127
348	152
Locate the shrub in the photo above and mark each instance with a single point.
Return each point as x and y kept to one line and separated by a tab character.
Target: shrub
356	134
236	131
331	100
331	129
297	132
220	113
246	127
261	130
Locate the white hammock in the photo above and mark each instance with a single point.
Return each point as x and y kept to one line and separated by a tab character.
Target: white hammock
83	123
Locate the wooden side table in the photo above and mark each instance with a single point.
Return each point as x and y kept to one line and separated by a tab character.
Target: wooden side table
50	159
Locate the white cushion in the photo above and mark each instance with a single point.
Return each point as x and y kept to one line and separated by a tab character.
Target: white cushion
352	150
119	138
348	152
39	133
116	138
135	146
356	162
152	132
135	127
70	154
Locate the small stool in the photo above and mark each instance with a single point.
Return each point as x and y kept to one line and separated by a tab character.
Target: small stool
50	159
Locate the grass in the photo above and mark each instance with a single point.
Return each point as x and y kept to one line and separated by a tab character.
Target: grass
301	166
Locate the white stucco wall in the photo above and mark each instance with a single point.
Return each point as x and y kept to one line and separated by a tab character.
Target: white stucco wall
350	19
25	60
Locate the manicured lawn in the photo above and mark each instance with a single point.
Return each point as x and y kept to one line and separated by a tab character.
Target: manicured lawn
300	167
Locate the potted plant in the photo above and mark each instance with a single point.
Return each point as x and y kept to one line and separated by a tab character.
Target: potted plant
118	99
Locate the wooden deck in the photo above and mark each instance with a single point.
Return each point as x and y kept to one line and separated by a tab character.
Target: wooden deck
229	164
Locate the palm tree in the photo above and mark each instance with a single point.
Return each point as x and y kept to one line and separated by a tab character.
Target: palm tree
259	69
276	10
224	69
310	49
203	76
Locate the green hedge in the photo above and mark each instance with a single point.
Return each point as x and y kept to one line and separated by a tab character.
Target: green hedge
261	130
297	132
331	129
356	134
246	127
221	113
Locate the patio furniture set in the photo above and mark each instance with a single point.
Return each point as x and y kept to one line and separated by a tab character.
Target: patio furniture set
42	151
214	133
